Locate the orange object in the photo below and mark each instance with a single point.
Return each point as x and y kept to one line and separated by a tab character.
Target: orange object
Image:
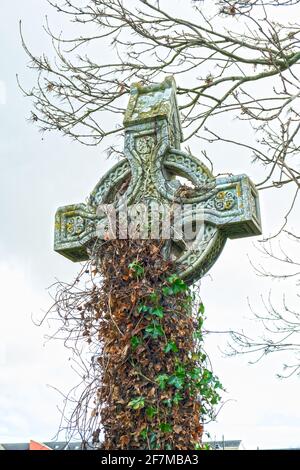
34	445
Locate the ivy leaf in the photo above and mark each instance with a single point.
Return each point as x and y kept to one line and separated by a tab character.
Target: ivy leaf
144	433
162	380
150	412
207	376
177	398
152	440
198	335
137	403
195	373
200	323
170	347
218	385
176	381
143	308
180	371
201	308
167	290
157	311
196	356
135	342
154	330
153	297
172	278
166	427
177	284
137	268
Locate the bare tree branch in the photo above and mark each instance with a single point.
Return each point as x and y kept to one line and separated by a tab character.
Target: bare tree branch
220	53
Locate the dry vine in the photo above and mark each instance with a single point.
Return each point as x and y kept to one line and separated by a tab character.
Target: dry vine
146	383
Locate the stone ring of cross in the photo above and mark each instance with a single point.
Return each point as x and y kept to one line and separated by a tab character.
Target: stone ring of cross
155	174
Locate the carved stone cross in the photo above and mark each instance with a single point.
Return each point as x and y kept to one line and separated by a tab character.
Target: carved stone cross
150	170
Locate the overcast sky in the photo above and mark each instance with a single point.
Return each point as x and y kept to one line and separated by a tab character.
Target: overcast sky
38	174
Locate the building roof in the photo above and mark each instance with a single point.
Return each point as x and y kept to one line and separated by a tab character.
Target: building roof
34	445
225	445
60	445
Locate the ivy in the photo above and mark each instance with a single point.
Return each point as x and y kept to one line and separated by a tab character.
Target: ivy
157	311
176	381
154	330
177	398
151	412
167	375
201	309
170	347
135	342
136	268
137	403
144	433
162	381
193	377
166	427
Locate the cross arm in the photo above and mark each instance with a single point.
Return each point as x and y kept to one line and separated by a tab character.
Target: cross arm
233	206
75	227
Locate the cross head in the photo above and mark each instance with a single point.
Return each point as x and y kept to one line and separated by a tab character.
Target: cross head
154	169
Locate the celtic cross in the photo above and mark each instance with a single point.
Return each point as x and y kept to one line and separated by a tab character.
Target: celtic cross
152	170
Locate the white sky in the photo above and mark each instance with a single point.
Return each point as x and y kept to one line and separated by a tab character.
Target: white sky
39	175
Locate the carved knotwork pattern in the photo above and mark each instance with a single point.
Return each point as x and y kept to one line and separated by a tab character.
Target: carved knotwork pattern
196	263
108	182
74	226
145	144
225	200
197	172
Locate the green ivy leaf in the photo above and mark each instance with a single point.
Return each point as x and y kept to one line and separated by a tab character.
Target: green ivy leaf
172	278
166	427
218	384
162	380
151	412
167	290
144	433
157	311
195	373
177	284
154	330
152	440
200	322
135	342
137	403
137	268
177	398
207	375
143	308
198	335
153	297
180	371
201	308
176	381
170	347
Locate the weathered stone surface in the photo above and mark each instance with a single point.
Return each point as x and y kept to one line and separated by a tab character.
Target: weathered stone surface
149	172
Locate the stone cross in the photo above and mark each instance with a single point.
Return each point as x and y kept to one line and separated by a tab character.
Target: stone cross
153	168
